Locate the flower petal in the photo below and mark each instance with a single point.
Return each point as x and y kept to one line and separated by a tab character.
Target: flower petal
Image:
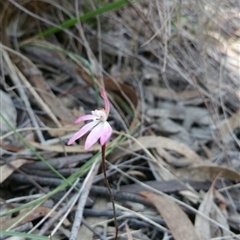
94	135
84	118
82	131
106	101
106	133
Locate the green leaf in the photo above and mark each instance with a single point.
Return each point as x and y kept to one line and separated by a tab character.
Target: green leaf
25	235
71	22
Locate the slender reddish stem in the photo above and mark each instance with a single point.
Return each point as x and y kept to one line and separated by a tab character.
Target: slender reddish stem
109	190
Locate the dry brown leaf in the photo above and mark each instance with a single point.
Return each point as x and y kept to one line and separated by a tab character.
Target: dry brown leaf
38	212
99	204
208	172
202	225
177	220
221	219
193	114
164	93
204	228
10	147
59	148
121	88
58	132
156	142
6	170
35	76
114	86
230	124
28	66
53	102
129	234
38	99
9	112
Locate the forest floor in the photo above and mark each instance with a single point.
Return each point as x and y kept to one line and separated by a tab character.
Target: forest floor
171	71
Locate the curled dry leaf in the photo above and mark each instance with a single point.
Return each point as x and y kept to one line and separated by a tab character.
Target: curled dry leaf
115	86
129	234
35	77
202	225
204	228
8	110
31	215
177	220
6	170
207	172
59	163
59	148
156	142
192	114
164	93
127	92
230	124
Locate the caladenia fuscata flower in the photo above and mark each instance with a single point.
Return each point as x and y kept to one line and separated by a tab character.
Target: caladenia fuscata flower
99	127
101	130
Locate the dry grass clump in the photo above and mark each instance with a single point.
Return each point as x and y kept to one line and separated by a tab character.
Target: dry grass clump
171	70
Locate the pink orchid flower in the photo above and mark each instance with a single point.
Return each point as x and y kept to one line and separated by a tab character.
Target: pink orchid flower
100	128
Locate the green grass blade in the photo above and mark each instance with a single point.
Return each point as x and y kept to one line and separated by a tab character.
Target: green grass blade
73	21
26	144
25	235
80	172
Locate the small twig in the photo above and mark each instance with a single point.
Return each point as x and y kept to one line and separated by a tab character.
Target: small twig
52	220
85	190
93	231
59	162
47	57
78	214
181	203
21	228
127	192
103	191
15	77
109	190
37	185
68	209
106	213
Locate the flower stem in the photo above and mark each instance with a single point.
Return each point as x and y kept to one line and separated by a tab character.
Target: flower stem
109	190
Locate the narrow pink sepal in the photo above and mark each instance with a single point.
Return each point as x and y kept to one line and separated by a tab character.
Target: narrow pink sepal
82	131
106	101
94	135
106	133
84	118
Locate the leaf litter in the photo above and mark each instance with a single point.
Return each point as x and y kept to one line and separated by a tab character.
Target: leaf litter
171	72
